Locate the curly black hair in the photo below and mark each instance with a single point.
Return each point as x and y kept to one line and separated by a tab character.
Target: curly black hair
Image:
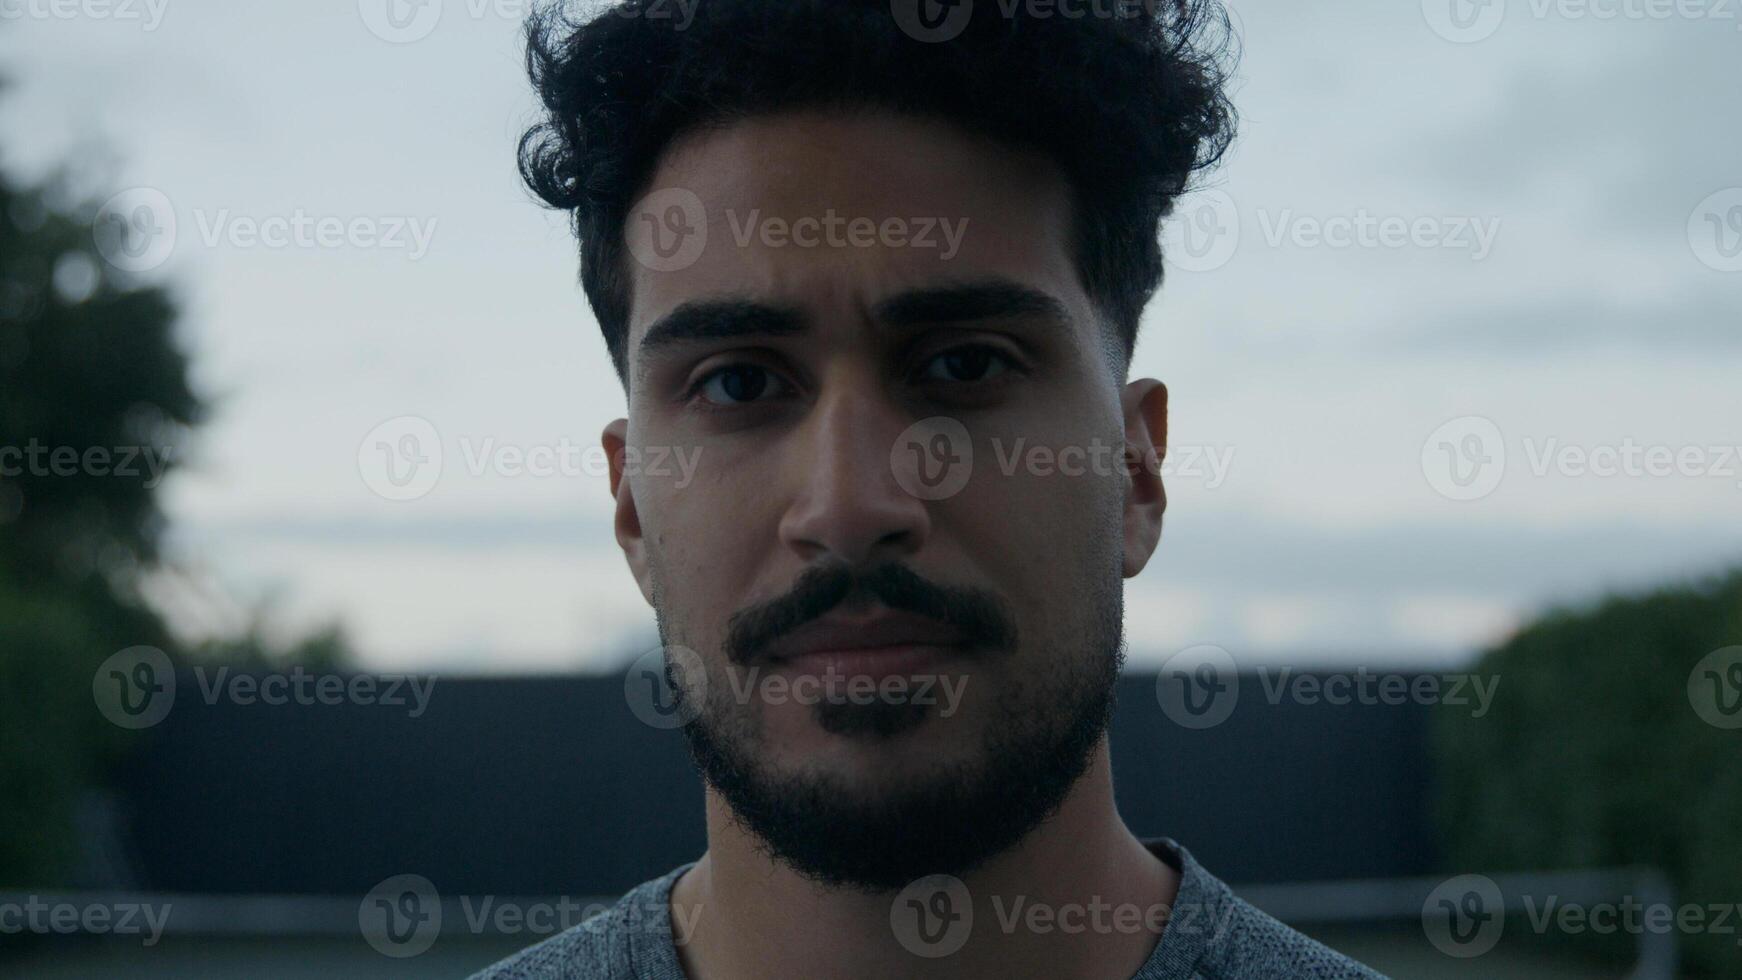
1127	96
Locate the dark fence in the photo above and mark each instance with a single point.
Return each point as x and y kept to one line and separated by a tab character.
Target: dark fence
550	785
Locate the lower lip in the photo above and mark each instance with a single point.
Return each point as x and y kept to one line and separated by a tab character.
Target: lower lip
873	662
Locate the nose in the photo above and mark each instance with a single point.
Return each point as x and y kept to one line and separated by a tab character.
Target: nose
848	505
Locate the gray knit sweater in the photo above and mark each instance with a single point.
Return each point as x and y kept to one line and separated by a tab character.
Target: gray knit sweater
1211	935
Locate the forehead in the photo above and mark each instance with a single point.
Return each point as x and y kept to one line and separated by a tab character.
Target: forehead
831	212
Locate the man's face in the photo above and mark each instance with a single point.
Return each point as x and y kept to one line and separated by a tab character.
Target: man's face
958	622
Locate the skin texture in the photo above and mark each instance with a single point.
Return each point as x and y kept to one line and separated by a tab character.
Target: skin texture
802	477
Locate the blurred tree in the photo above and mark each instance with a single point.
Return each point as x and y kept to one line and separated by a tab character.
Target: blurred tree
1597	752
95	409
90	374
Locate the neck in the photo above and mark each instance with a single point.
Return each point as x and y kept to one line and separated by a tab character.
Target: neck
1079	896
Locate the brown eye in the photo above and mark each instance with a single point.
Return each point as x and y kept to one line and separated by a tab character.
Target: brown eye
965	364
736	384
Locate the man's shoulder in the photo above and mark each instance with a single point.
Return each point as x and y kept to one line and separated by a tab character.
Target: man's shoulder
1257	945
632	938
1214	934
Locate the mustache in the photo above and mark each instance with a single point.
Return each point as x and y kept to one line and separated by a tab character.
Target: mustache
983	619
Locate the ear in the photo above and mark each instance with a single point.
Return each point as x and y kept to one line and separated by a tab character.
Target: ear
626	520
1145	405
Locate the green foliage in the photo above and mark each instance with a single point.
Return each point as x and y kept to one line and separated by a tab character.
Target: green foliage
88	360
1593	754
50	739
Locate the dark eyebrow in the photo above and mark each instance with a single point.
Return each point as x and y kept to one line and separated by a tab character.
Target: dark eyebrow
721	319
990	299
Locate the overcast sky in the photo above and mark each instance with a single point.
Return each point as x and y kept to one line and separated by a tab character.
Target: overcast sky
1440	240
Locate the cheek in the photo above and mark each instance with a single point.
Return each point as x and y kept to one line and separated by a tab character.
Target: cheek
1043	526
704	541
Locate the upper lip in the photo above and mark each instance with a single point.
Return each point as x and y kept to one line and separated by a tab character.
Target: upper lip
880	628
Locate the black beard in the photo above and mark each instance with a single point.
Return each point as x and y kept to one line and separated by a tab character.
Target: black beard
1039	739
